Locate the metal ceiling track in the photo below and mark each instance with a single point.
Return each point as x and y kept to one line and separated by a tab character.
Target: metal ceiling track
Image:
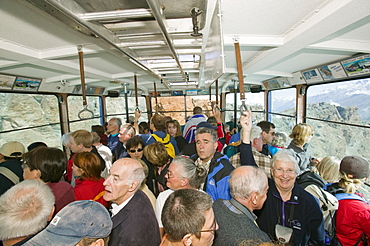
158	14
72	14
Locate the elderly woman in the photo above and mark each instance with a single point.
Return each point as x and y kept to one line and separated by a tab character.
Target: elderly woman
181	174
174	129
301	135
353	214
288	207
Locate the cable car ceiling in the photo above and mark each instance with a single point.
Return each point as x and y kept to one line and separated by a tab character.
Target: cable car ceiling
160	40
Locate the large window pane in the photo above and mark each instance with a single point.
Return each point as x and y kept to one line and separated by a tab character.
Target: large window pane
116	107
174	106
255	101
283	104
344	102
75	106
27	110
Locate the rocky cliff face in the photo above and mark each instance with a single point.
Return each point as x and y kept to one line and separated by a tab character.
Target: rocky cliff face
329	138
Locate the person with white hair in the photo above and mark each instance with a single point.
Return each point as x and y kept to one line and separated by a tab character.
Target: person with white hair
290	213
25	209
235	217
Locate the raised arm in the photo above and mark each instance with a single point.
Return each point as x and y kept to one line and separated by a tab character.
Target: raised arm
246	156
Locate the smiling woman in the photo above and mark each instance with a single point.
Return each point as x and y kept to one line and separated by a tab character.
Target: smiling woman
290	208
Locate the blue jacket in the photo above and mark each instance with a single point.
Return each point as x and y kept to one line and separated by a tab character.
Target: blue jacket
217	184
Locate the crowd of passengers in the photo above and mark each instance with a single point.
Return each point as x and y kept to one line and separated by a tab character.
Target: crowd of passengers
159	183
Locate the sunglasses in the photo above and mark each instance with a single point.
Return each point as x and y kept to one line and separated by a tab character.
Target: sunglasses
135	150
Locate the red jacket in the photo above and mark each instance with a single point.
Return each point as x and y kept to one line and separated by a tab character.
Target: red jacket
353	219
90	190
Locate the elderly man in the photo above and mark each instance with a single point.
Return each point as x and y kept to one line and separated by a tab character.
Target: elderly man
188	219
134	221
263	161
113	128
248	188
126	132
25	210
217	165
80	223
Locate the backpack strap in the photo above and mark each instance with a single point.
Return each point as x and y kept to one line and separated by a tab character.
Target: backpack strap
164	140
346	196
9	174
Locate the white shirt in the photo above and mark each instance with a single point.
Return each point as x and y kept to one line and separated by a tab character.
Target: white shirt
116	208
161	199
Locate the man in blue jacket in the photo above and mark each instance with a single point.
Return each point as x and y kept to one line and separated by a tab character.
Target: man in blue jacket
217	164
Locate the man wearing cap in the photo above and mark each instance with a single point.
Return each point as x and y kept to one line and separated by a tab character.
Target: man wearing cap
353	215
11	171
80	223
217	165
134	221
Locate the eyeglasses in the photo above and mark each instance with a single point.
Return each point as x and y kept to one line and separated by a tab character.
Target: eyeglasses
135	150
214	228
170	176
24	165
281	171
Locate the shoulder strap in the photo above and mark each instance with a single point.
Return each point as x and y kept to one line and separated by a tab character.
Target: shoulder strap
346	196
9	174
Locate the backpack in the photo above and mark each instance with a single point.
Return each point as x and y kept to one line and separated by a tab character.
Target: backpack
167	143
334	241
313	184
232	149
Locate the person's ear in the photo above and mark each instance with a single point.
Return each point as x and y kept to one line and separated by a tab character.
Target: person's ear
254	198
185	182
51	214
187	240
36	173
99	242
134	185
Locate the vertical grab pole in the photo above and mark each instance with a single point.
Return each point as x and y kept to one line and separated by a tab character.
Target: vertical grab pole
126	102
239	65
82	74
155	97
136	95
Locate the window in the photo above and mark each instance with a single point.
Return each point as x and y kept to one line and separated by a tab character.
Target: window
283	109
39	114
75	106
255	101
174	106
116	107
339	113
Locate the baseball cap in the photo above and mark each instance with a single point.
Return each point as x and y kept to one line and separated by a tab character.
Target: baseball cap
75	221
355	167
206	125
13	147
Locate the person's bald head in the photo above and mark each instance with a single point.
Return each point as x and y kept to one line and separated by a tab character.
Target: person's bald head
126	175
